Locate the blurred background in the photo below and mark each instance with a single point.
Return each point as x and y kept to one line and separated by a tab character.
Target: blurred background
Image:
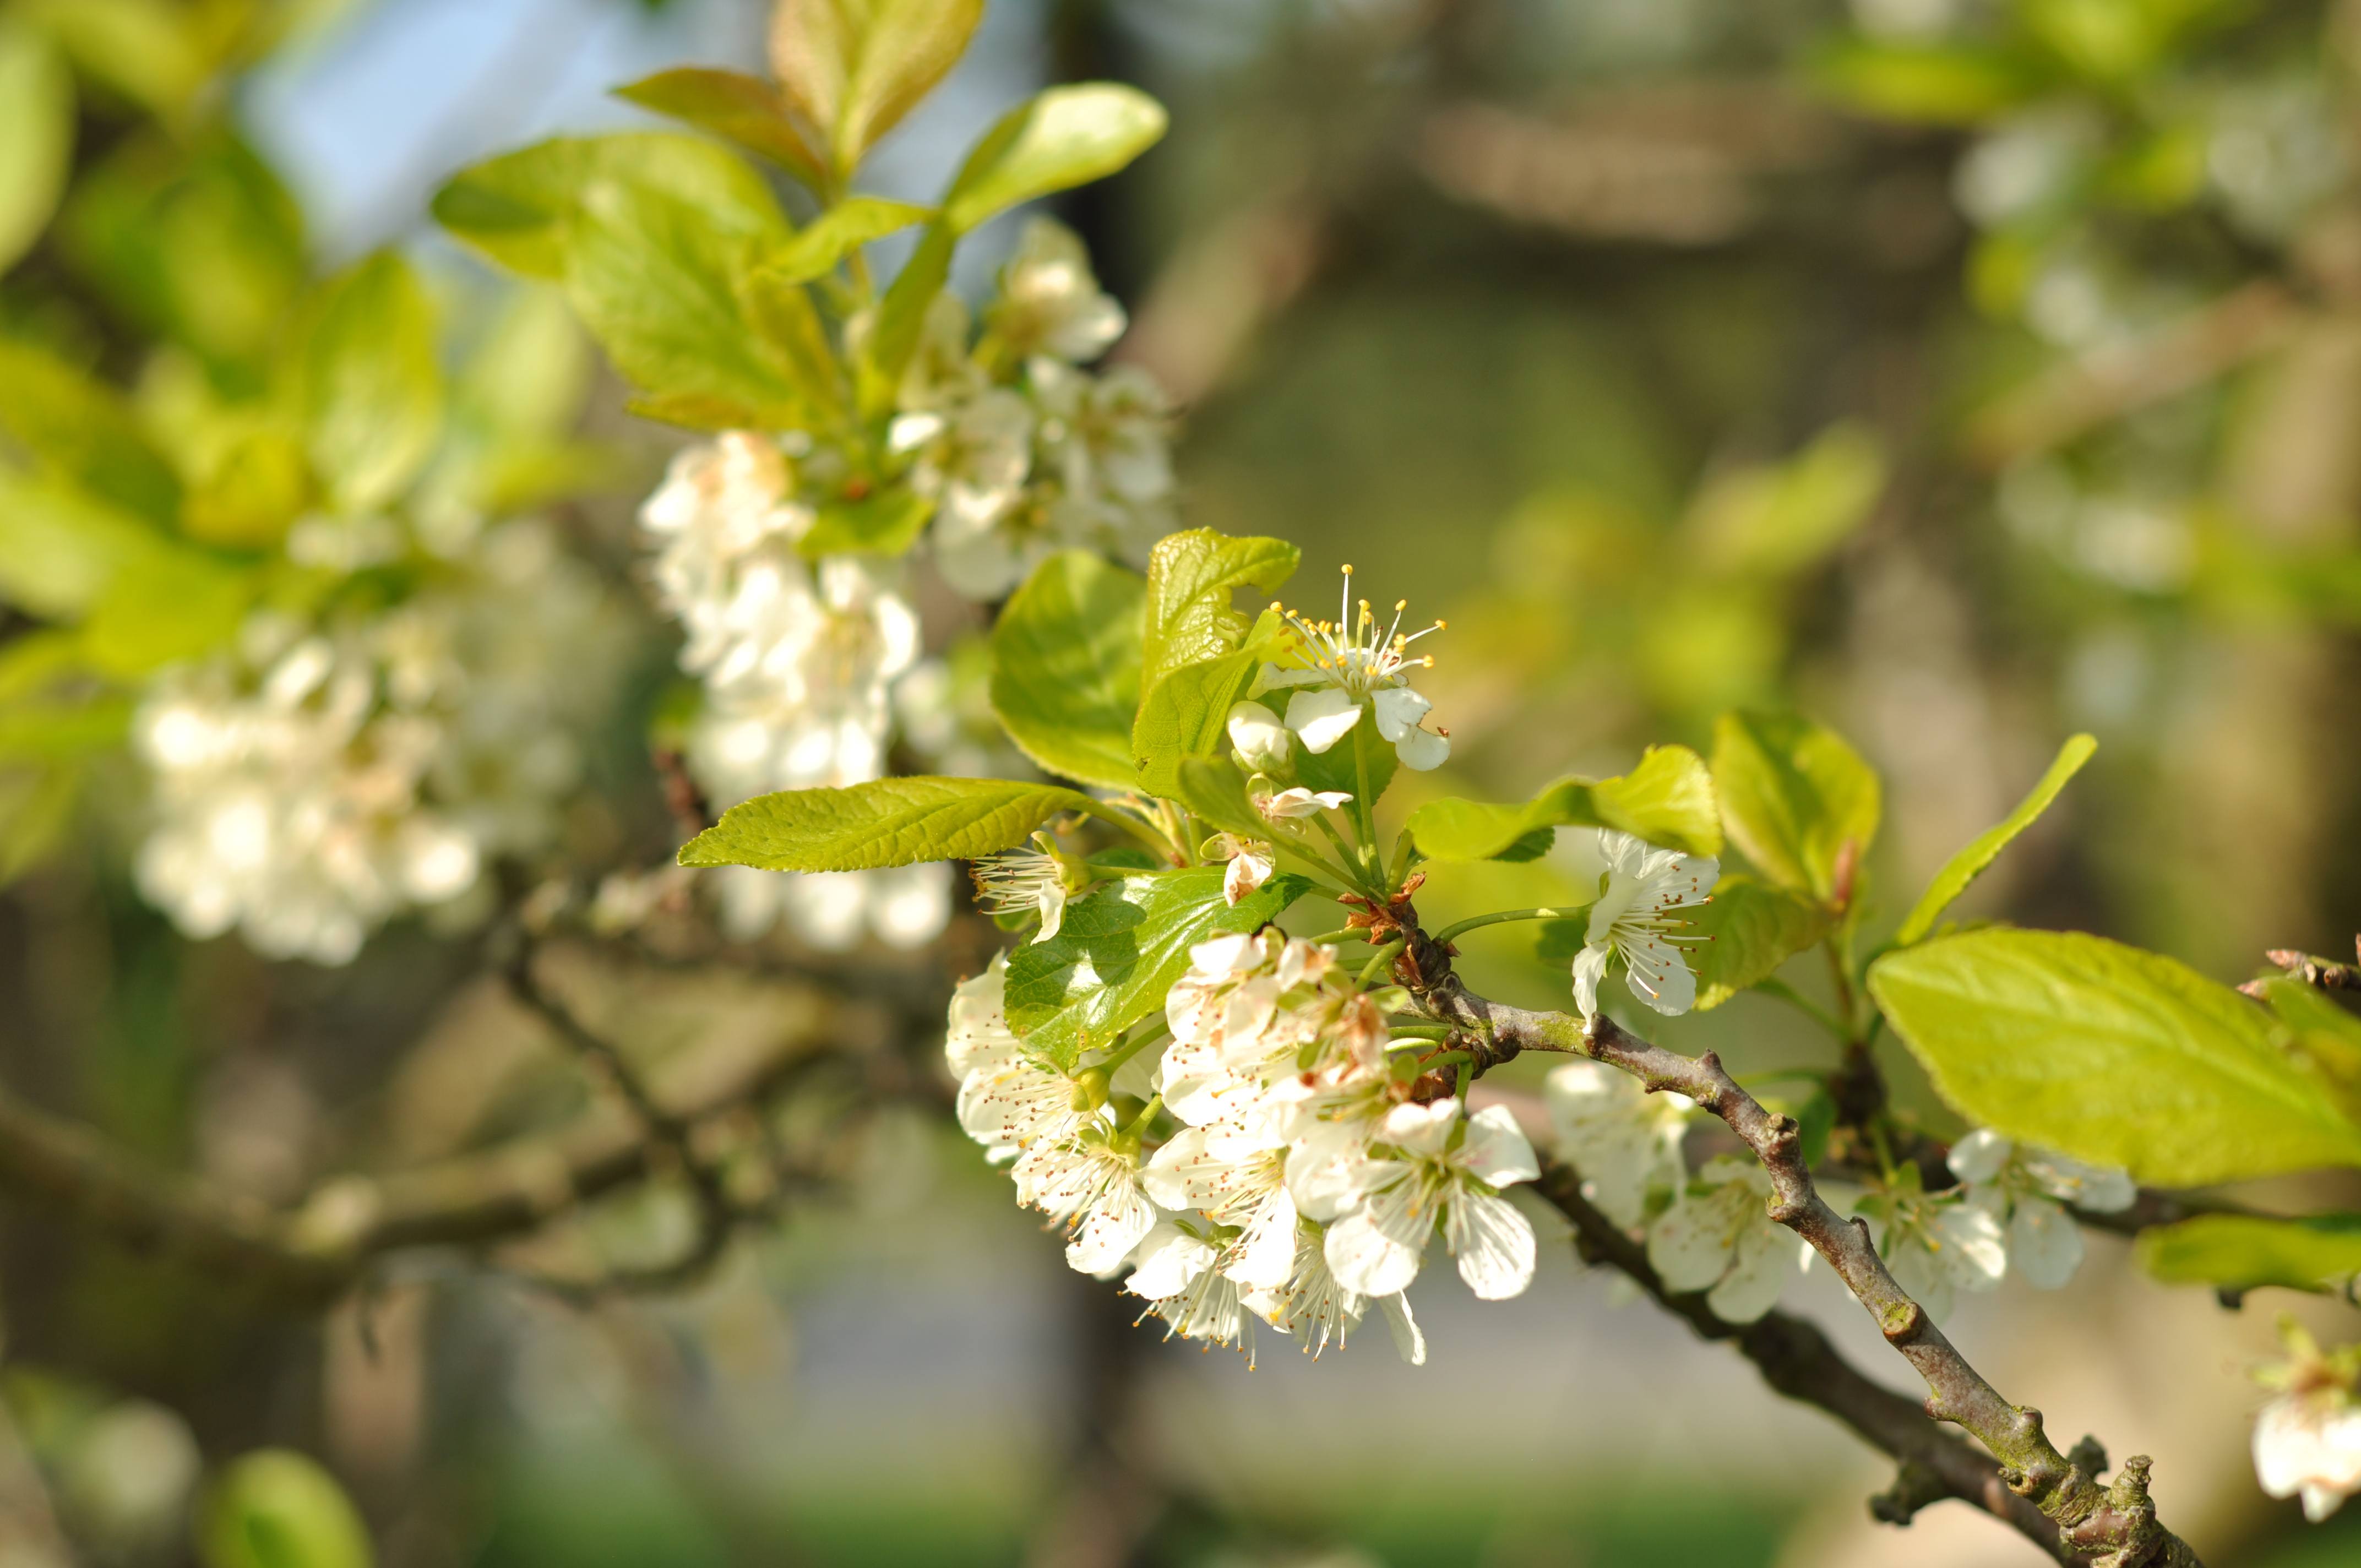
1966	373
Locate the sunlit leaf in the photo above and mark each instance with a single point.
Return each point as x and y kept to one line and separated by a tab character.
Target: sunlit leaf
888	822
1063	137
853	68
746	109
1065	667
1793	796
2247	1252
1668	799
37	128
371	388
1962	869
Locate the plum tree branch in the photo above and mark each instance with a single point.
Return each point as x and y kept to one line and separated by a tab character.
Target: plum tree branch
2084	1522
313	1251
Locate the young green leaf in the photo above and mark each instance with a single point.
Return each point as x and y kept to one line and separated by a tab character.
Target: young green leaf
902	316
1793	796
853	68
1775	520
1212	788
888	822
1187	715
1943	85
1119	951
657	282
1062	138
1963	868
2247	1252
258	485
1751	928
744	109
844	227
277	1508
1667	799
37	130
515	208
60	548
2109	1054
75	426
884	522
371	390
1190	576
1065	667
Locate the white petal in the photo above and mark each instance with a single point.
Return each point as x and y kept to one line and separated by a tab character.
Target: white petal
1659	975
1493	1243
1398	710
1054	910
1975	1250
1249	869
1422	751
1272	676
1258	735
1589	968
1114	1225
1497	1150
1980	1156
1408	1339
1376	1249
1322	718
2045	1243
1758	1273
1170	1258
1689	1246
1264	1255
1329	1168
1421	1129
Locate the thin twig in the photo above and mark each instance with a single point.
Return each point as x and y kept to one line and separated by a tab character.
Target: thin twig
2115	1526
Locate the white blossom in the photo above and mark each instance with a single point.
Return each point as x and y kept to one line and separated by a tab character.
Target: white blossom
1090	1182
1934	1245
1635	918
1179	1272
1049	302
1251	861
2027	1190
1719	1237
321	778
1625	1142
1017	882
1295	805
1350	665
2308	1440
1431	1167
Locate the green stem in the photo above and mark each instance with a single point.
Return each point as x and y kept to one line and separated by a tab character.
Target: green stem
1349	933
1469	925
1379	960
1420	1032
1131	1047
1403	849
1147	833
1844	987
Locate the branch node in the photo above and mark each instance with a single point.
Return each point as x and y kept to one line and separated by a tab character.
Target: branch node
2088	1456
1915	1485
1901	1321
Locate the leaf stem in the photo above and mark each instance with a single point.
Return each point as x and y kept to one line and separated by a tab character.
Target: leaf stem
1348	933
1494	919
1379	960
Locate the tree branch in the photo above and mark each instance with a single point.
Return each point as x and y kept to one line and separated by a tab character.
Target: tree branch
315	1250
1796	1358
2108	1527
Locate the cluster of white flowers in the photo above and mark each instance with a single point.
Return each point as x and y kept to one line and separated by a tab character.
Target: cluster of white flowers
1712	1230
2308	1440
324	777
1024	452
1294	1178
811	667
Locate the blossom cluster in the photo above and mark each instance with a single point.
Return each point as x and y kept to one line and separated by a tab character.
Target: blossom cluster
1255	1153
331	771
1712	1231
2308	1439
810	662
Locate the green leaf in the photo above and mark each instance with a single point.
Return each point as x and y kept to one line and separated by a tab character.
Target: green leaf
884	522
60	548
152	52
255	489
1212	788
2322	1035
902	316
36	132
846	226
1187	715
371	390
515	208
1119	951
76	428
1065	667
1668	799
1793	795
657	281
2246	1252
853	68
275	1509
1190	576
1937	83
745	109
1778	518
1062	138
2110	1055
889	822
1962	869
160	609
1752	928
